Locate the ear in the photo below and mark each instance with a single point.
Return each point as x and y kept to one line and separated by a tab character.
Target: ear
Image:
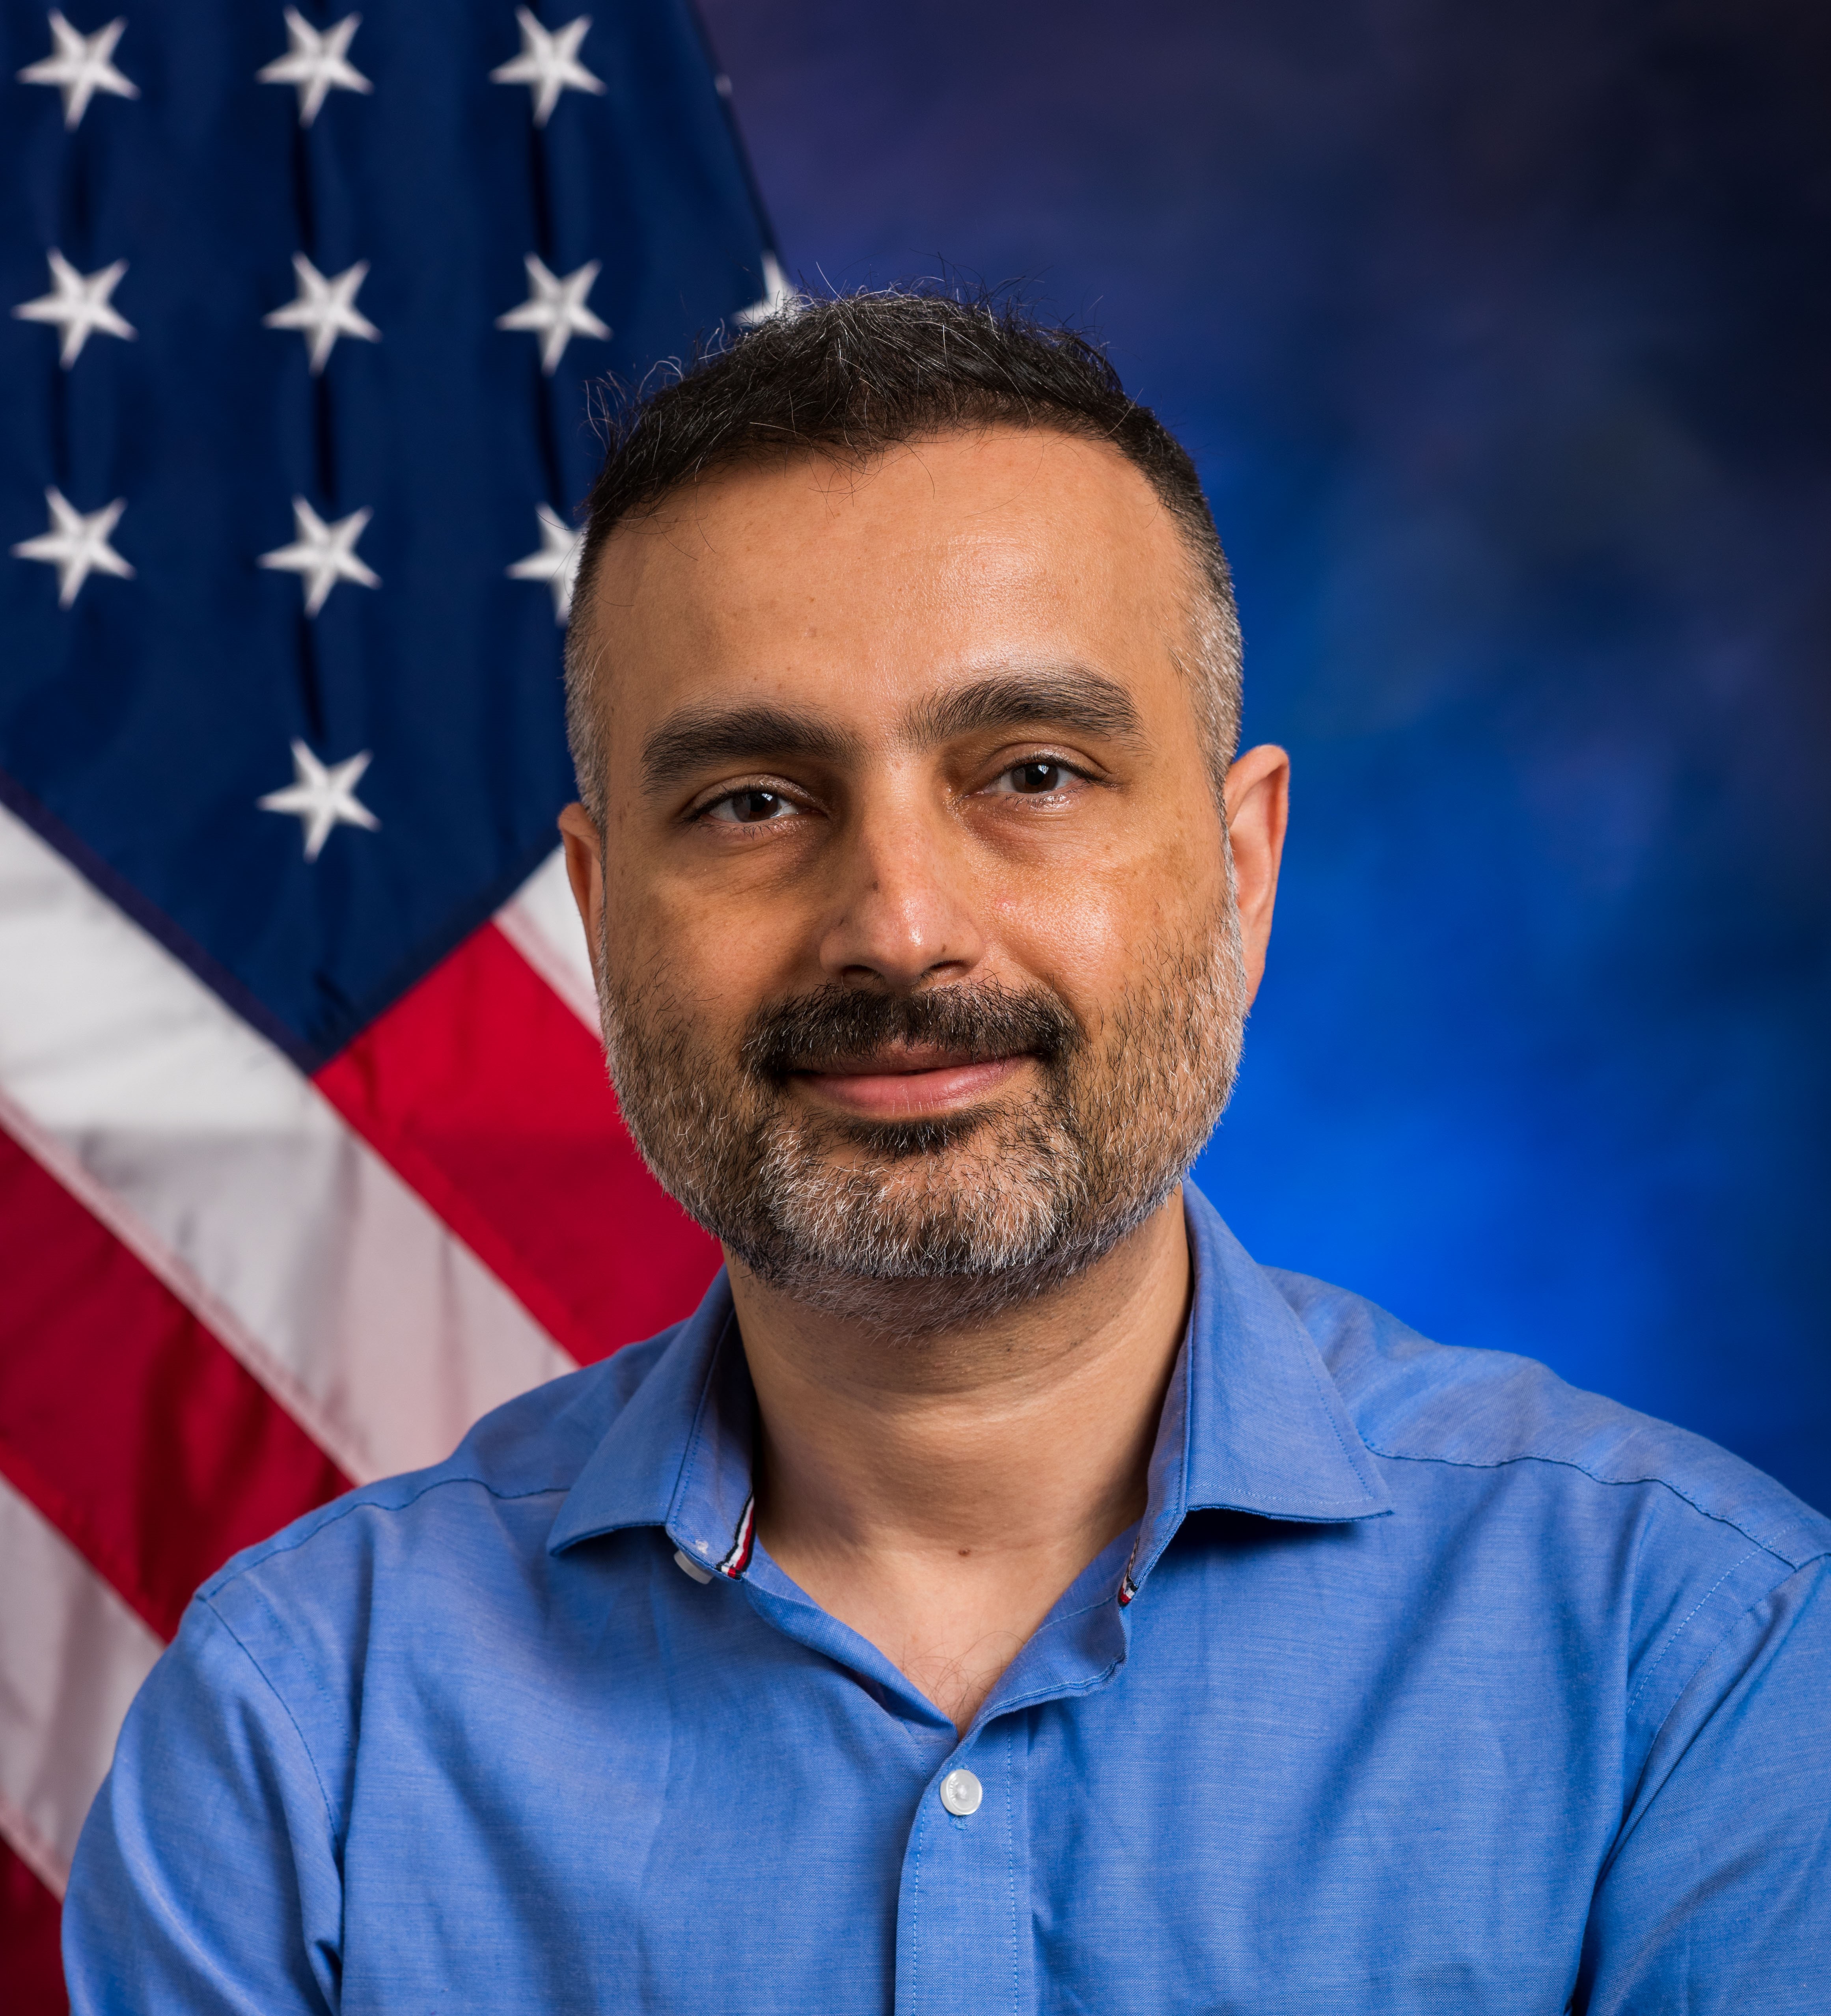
584	870
1258	799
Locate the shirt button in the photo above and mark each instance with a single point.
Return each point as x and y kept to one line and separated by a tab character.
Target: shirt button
962	1792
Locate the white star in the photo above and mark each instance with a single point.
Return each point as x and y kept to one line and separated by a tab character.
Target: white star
325	309
778	298
548	64
322	796
557	564
79	66
76	545
556	309
318	64
322	555
79	306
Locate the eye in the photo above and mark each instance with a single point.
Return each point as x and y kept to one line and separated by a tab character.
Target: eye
753	807
1040	777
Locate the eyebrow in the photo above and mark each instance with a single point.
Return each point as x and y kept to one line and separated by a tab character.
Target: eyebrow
696	738
1069	694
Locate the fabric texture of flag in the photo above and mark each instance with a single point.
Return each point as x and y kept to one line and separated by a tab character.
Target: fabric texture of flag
307	1156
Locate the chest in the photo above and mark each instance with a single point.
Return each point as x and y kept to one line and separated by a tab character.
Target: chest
1269	1805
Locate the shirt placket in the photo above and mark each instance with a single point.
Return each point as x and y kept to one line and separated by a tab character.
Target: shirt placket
965	1904
964	1907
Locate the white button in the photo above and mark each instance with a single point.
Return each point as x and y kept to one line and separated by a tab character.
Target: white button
962	1792
688	1566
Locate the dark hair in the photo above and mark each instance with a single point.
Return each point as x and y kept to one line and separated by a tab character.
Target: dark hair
857	373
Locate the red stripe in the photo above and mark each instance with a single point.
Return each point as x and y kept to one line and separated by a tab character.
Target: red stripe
738	1560
122	1419
489	1095
29	1961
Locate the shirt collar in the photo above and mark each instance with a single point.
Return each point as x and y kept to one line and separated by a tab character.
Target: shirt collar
1253	1422
679	1454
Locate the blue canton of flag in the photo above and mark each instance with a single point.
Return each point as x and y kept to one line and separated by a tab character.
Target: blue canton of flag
303	311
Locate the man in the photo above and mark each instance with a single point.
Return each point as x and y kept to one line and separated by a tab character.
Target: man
1002	1594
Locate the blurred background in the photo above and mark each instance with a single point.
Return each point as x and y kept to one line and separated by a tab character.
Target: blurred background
1502	338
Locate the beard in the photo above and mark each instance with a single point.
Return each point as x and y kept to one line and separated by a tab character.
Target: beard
914	1227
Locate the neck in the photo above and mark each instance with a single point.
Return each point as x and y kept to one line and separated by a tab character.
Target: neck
938	1492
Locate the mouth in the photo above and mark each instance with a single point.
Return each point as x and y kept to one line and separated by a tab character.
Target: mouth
908	1081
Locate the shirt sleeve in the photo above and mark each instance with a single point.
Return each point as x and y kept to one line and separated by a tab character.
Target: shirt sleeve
1718	1896
205	1882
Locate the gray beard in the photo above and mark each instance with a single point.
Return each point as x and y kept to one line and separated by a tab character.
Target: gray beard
913	1229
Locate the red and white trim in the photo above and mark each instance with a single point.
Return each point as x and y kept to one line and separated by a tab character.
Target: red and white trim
738	1559
1127	1588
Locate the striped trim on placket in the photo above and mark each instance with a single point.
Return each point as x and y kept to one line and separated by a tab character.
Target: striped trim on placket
1127	1588
738	1560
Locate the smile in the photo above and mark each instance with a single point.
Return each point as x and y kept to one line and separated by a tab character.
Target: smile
907	1084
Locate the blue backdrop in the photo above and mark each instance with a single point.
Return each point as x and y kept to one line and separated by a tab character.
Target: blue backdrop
1500	335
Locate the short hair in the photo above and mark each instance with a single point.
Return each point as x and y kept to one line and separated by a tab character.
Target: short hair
855	374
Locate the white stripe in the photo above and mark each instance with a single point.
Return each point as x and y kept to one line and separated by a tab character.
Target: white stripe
729	1565
541	921
72	1657
209	1153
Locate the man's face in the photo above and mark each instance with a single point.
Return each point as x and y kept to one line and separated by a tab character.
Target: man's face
918	957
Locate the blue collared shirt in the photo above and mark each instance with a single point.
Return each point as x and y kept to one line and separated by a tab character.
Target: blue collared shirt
1426	1683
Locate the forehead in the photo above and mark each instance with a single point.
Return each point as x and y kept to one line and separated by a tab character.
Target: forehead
810	577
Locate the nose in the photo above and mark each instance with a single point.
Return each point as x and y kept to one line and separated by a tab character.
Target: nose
902	910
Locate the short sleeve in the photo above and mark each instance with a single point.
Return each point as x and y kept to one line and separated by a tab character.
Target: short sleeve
1717	1898
205	1880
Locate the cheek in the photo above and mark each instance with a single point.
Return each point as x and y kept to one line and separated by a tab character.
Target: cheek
1087	931
715	958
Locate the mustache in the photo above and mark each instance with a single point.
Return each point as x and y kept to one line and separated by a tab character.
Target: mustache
836	1026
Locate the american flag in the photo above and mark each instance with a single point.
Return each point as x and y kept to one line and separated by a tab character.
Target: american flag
307	1154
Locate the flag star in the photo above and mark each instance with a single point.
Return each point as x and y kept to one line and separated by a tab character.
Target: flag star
76	545
318	64
555	309
325	309
549	64
79	66
778	298
322	796
322	555
79	306
557	564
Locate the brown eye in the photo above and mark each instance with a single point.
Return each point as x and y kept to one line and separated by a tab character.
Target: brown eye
1032	778
751	808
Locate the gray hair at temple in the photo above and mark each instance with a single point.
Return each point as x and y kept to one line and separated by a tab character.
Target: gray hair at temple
853	375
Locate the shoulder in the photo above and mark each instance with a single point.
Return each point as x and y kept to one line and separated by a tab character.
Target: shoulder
512	1469
1415	1402
391	1593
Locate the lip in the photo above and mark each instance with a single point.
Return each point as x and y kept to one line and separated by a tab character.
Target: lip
909	1084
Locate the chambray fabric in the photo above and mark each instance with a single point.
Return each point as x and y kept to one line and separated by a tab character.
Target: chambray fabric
1444	1687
